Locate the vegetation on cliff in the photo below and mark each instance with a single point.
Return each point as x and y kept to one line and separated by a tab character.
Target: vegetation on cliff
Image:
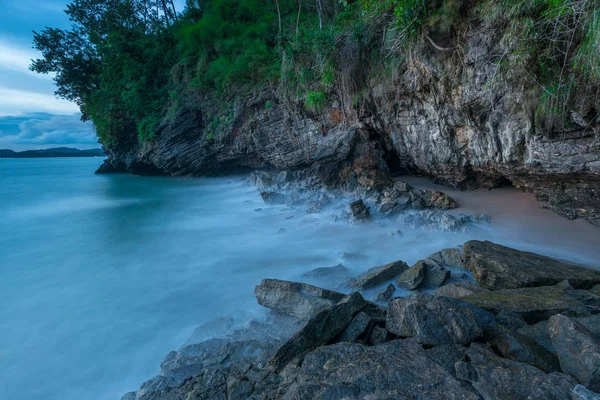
129	64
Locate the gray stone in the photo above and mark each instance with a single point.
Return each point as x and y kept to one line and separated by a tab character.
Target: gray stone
385	294
450	258
273	198
336	270
436	275
533	304
394	370
323	327
432	320
459	289
447	355
539	331
582	393
357	328
499	267
360	212
577	349
413	277
293	298
377	275
502	379
378	335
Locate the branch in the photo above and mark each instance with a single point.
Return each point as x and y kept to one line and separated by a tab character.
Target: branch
438	47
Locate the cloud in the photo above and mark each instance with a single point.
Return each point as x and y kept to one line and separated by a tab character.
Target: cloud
14	58
40	130
19	102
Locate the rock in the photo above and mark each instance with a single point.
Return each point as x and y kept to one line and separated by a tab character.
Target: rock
432	199
336	270
292	298
499	267
447	355
261	179
273	198
385	294
459	289
577	349
360	212
582	393
510	320
517	347
436	275
357	328
378	335
435	220
377	275
539	331
432	320
394	370
449	258
501	379
413	277
323	327
595	290
533	304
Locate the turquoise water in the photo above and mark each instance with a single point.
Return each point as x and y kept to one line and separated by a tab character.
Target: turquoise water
101	276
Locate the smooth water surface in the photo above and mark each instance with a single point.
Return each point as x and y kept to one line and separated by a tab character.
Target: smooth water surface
102	275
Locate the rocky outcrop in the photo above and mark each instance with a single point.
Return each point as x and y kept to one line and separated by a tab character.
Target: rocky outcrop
377	275
446	114
499	267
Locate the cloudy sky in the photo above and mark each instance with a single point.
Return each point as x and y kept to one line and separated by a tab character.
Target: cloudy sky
31	116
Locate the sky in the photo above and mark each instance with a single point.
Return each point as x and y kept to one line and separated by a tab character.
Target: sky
31	117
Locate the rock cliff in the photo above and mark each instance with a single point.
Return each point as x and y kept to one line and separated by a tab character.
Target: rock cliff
447	112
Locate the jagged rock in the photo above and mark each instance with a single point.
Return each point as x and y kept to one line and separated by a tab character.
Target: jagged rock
336	270
517	347
582	393
413	277
459	289
539	331
357	328
432	320
431	199
394	370
293	298
435	220
533	304
360	212
510	320
385	294
323	327
577	349
499	267
595	290
501	379
449	258
261	179
273	198
436	275
377	275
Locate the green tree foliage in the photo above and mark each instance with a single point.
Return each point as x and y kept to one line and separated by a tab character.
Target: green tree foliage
128	63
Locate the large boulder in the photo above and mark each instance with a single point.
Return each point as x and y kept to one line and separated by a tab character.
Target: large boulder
459	289
502	379
359	211
533	304
293	298
432	320
449	258
577	349
399	370
377	275
413	277
322	328
539	331
385	294
499	267
582	393
436	274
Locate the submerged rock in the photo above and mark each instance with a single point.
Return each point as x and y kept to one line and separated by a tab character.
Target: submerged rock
336	270
385	294
377	275
500	379
499	267
360	212
432	320
273	198
293	298
577	349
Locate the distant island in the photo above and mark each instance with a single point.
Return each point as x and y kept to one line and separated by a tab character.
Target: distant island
51	153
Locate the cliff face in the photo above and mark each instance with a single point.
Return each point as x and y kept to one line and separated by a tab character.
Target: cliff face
447	112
